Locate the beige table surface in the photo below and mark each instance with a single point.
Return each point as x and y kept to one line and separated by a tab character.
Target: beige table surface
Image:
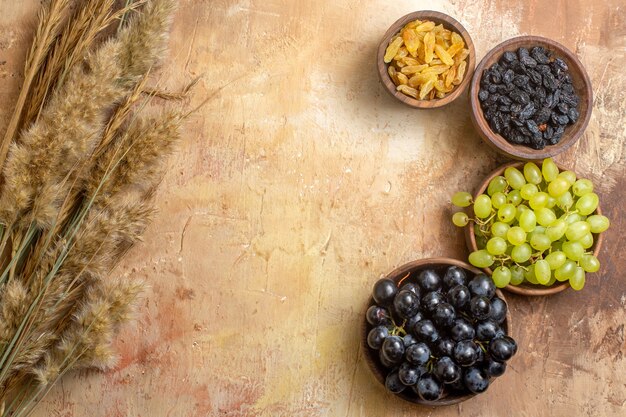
301	182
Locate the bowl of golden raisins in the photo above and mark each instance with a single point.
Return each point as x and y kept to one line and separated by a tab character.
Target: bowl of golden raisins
426	59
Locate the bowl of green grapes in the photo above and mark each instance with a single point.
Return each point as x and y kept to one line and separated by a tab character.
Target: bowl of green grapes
536	228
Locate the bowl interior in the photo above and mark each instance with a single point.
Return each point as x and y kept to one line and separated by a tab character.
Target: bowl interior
449	23
580	82
525	288
413	268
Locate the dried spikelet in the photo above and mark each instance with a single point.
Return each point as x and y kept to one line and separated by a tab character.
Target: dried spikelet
138	156
89	337
70	47
70	126
13	308
50	20
146	37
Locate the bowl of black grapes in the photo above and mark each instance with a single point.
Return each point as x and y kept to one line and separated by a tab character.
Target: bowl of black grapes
437	332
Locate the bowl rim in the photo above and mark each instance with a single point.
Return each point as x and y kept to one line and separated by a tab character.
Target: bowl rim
522	152
450	23
395	275
524	288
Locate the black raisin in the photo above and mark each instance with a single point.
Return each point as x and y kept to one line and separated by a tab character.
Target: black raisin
508	76
522	53
562	108
573	115
539	54
528	61
492	88
561	64
519	96
542	115
558	119
570	99
505	100
509	56
521	80
550	82
532	127
483	95
527	111
542	69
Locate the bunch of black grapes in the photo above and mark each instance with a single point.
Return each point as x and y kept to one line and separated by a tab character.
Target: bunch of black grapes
439	335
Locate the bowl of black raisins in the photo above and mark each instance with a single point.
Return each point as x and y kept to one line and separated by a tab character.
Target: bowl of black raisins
531	98
436	332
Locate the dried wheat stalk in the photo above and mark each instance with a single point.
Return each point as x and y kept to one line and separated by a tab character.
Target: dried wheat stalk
80	164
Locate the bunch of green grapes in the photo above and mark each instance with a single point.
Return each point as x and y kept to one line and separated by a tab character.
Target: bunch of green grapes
536	226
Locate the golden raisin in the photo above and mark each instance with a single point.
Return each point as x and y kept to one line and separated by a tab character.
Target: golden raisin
426	60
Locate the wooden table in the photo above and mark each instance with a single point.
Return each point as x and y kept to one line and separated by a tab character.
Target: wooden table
301	182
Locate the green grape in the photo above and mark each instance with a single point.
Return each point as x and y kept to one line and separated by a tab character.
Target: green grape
587	204
532	173
552	280
558	187
501	276
573	250
598	223
556	259
586	241
549	170
577	230
498	200
551	202
482	206
506	213
545	216
565	201
520	209
521	253
462	199
528	220
528	190
538	201
569	176
572	218
556	230
582	186
460	219
529	275
496	246
540	241
565	271
517	275
516	235
514	177
497	185
589	263
577	281
499	229
514	197
481	258
542	271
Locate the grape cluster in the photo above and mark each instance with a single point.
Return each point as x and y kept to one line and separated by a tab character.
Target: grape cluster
537	226
439	335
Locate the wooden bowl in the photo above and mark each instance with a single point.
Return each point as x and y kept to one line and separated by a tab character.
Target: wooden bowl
580	81
398	274
524	288
450	24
